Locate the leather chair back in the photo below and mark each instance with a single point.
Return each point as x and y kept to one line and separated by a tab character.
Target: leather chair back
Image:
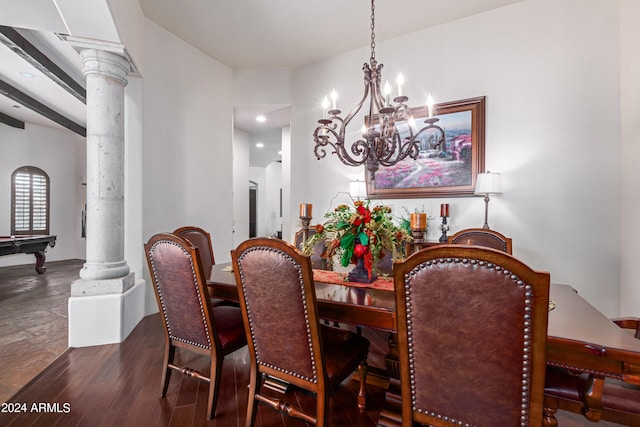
177	279
472	330
190	321
267	277
201	240
482	237
285	338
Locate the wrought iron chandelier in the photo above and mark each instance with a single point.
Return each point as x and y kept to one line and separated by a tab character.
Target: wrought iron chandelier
382	143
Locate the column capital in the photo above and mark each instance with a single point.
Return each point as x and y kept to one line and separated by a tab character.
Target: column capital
105	63
83	43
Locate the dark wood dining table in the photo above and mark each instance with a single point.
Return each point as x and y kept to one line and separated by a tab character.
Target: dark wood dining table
579	337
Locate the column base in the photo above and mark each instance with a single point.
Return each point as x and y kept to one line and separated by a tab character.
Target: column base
86	287
97	319
104	270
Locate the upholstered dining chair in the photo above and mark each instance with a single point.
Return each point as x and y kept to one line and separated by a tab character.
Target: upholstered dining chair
201	239
472	330
190	322
596	397
482	237
286	340
317	261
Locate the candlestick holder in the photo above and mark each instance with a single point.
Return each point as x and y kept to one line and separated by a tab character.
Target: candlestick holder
306	221
444	228
417	234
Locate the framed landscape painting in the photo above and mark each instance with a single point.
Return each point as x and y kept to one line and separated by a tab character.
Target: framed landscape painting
445	169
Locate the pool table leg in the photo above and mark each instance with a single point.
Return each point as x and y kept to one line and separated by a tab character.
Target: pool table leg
40	258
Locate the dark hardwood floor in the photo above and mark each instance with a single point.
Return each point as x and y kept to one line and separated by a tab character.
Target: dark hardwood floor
119	384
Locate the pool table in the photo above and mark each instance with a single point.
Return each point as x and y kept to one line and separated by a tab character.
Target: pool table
36	245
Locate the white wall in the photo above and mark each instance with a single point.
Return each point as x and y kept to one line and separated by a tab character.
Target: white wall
187	152
629	226
129	21
61	154
240	186
286	182
262	86
552	129
269	87
259	176
272	215
269	181
133	139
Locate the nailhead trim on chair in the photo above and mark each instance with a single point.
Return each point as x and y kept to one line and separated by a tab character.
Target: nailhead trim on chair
306	315
164	311
524	412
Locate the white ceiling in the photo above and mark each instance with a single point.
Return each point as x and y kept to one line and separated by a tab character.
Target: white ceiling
289	33
239	33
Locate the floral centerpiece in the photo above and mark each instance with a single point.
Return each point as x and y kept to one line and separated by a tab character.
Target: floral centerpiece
359	234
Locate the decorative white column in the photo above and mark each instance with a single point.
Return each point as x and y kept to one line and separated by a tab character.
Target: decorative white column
105	270
106	303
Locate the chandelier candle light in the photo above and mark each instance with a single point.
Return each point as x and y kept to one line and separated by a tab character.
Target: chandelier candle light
381	142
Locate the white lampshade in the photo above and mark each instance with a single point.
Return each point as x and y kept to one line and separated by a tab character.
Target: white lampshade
358	189
488	183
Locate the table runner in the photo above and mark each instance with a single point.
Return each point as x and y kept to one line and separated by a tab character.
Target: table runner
326	276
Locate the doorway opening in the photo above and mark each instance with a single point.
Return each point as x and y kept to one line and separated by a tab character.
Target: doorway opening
253	209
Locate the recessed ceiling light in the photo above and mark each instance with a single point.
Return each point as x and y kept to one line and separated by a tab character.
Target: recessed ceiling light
261	119
259	145
26	74
280	152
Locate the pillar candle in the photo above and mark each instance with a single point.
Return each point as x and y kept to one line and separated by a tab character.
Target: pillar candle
306	210
444	209
418	221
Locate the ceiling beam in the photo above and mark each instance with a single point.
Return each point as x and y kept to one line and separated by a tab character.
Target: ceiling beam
11	92
8	120
22	47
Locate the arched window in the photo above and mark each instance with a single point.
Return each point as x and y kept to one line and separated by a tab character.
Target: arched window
29	201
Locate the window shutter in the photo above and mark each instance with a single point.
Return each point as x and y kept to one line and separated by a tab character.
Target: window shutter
39	198
22	201
30	204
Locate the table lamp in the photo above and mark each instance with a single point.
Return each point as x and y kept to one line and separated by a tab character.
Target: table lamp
486	184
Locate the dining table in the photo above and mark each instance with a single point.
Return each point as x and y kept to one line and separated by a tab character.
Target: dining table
579	337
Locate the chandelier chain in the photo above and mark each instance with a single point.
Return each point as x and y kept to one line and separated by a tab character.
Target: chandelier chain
373	34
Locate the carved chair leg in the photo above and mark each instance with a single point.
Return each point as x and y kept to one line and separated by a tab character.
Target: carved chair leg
322	409
362	393
169	354
214	386
255	382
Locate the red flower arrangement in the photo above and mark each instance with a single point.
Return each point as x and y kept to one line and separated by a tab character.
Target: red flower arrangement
359	232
